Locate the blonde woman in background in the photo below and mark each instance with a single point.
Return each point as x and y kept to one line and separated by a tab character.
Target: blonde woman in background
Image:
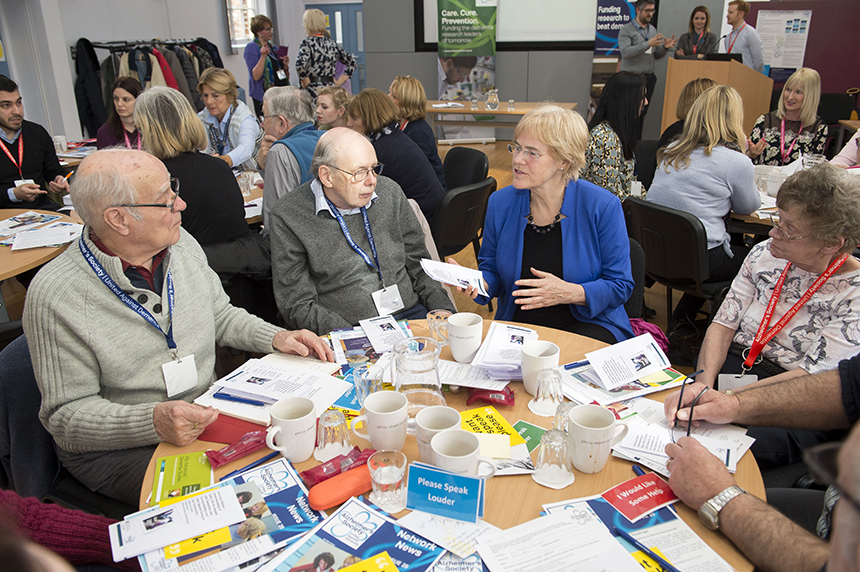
688	96
331	107
781	136
231	126
407	93
707	174
318	55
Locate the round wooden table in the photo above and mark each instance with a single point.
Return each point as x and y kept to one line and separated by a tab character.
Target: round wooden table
512	500
13	263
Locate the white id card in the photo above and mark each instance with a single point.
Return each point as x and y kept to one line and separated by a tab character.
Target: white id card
281	75
734	381
387	300
20	182
180	375
649	50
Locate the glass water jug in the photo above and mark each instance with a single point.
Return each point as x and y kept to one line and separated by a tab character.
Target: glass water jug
416	375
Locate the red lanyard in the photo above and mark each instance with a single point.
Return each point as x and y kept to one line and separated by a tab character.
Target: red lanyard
697	42
128	143
20	154
763	335
736	37
404	124
786	155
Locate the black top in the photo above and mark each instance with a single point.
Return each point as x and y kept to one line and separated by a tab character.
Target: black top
421	132
40	164
671	133
543	252
216	209
407	166
849	374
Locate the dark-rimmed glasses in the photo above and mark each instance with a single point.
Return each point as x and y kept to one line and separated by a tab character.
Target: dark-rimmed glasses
174	186
822	461
774	220
690	379
361	174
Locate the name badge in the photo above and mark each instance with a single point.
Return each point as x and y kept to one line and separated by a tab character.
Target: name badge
180	375
648	51
387	300
281	75
732	381
20	182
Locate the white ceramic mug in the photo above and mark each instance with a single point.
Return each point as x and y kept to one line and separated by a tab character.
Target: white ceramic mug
60	143
465	331
385	419
458	451
293	428
429	422
591	433
536	356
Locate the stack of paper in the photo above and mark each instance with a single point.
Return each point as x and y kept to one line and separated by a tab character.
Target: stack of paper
501	352
249	391
627	361
662	530
353	347
275	513
454	275
650	432
584	386
29	219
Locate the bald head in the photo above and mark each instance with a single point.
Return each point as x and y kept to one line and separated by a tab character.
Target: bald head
112	177
339	146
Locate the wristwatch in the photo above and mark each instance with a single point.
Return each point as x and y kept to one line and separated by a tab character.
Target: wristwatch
710	511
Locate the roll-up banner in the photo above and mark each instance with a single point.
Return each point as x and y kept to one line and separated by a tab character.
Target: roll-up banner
611	15
466	65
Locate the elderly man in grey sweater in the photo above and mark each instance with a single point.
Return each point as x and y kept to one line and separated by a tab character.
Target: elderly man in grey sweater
122	326
346	246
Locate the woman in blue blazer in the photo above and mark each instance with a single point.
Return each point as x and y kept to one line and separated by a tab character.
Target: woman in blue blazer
555	249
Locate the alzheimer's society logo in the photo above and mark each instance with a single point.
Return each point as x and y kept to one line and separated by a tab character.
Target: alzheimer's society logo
354	526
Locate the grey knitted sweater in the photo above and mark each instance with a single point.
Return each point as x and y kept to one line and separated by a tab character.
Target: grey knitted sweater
322	284
98	363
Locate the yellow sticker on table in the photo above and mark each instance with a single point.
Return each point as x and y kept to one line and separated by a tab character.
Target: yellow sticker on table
198	543
380	562
647	562
488	420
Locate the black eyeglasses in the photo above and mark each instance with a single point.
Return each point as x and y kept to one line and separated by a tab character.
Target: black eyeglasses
690	378
174	186
361	174
822	461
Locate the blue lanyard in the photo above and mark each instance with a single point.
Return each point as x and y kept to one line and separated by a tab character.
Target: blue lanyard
351	242
638	29
128	300
222	138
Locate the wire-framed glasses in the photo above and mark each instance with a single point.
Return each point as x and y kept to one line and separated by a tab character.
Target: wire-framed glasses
677	424
174	186
774	220
362	174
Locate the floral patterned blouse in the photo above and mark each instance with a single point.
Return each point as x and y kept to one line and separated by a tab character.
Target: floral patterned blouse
605	165
811	141
317	59
824	331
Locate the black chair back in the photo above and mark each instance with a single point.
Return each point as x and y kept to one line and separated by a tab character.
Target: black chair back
633	305
464	166
460	217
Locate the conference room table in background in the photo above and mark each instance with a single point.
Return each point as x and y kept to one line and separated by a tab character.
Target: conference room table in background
500	117
513	500
14	262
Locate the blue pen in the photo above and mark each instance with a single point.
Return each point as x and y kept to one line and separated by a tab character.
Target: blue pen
576	364
250	466
665	565
638	470
228	397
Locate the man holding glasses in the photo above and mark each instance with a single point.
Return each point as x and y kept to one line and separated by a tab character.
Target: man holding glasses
122	326
825	401
347	246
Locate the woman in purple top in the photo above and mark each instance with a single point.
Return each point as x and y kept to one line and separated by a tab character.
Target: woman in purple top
119	128
265	69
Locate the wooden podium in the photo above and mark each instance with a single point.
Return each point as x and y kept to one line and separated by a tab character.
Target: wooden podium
754	88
